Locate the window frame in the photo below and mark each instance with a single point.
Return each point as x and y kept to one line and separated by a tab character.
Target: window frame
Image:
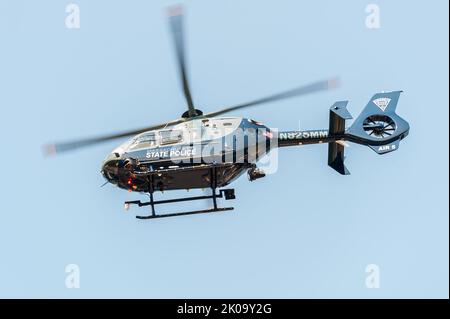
163	140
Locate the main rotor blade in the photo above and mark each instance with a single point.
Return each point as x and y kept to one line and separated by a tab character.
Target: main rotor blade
175	14
53	149
307	89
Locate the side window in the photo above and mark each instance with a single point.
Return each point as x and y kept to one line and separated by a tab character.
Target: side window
143	141
171	136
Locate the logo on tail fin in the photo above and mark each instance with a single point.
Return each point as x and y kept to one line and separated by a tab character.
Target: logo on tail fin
382	102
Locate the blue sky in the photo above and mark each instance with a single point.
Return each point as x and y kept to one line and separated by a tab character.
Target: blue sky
303	232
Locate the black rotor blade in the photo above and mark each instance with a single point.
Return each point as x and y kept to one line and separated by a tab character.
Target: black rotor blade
307	89
53	149
373	126
175	14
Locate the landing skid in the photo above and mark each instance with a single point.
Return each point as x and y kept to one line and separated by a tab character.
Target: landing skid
186	213
223	193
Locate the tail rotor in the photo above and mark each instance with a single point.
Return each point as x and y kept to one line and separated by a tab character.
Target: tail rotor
378	126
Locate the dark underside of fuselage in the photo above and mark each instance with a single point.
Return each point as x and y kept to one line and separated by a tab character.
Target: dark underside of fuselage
194	176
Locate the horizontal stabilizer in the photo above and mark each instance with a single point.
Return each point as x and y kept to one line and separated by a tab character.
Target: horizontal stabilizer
338	115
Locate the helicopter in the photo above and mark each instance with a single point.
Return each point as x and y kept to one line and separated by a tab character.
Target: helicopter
207	150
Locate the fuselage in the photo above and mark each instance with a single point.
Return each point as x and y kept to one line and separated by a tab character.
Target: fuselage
180	156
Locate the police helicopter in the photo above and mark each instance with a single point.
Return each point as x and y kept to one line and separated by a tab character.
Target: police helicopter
206	150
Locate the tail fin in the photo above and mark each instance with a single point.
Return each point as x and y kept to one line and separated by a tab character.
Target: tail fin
378	126
385	102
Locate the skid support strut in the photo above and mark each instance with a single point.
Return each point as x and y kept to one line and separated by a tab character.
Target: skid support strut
223	193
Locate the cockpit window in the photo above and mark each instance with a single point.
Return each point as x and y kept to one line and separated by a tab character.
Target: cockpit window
147	138
143	141
171	136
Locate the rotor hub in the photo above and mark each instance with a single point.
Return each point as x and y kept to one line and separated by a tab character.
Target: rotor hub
186	115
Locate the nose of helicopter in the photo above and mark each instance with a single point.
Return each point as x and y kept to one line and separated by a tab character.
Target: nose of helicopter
110	167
